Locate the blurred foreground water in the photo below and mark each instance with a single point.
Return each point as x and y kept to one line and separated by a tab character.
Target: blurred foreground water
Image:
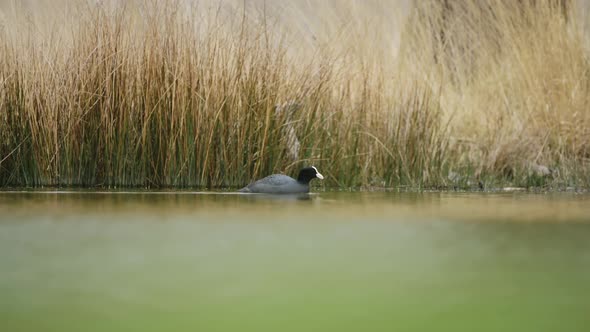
183	261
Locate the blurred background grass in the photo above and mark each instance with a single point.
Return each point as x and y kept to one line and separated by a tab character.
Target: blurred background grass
214	94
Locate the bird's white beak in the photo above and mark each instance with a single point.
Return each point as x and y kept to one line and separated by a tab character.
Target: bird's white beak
317	174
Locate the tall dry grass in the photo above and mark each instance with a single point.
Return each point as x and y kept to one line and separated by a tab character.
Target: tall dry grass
515	79
177	93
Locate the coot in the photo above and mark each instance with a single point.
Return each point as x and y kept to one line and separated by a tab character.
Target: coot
282	184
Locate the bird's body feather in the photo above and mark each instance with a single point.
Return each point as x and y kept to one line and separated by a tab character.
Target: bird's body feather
276	184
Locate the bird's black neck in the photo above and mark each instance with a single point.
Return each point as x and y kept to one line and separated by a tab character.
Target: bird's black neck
304	178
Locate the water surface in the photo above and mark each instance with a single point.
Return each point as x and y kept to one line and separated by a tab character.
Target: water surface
90	261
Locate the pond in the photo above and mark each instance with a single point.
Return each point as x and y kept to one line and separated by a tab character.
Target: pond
329	261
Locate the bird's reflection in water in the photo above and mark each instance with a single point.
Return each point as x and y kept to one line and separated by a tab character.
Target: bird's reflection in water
281	197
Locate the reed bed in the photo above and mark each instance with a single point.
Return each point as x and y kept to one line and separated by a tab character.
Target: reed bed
177	94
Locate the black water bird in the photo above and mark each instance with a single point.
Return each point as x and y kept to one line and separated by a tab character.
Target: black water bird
283	184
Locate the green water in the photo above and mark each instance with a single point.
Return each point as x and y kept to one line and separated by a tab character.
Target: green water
325	262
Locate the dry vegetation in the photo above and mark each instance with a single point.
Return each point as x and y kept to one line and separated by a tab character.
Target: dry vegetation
180	94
